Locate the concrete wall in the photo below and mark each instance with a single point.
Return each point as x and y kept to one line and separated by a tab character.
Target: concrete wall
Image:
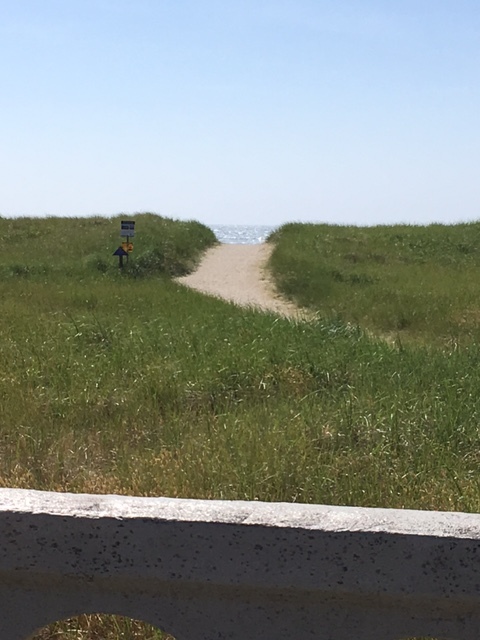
239	570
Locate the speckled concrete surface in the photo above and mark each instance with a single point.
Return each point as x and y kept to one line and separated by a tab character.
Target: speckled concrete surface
212	569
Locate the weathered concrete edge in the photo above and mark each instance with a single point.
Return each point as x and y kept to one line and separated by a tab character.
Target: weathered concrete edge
268	514
202	569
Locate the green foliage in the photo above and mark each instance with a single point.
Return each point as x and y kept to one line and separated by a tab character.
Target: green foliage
417	282
143	387
84	246
136	385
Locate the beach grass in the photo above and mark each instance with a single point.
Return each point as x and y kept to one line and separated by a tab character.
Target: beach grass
125	382
400	281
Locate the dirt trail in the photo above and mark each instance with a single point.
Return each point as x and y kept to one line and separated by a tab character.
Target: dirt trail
237	272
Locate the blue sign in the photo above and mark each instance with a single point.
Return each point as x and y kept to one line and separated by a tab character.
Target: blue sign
127	228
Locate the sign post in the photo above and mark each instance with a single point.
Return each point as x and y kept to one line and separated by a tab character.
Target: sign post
127	231
121	254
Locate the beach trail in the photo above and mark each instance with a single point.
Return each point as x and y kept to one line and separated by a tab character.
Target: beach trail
237	272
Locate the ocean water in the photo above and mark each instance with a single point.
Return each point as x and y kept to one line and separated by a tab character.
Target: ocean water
241	234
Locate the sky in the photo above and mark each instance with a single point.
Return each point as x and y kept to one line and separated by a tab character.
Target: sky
241	111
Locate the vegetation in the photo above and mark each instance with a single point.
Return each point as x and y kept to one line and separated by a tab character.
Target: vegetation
115	383
402	281
78	247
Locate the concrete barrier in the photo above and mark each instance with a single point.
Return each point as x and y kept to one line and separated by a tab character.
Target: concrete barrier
218	569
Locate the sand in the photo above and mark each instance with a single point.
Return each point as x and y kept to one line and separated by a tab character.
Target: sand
237	272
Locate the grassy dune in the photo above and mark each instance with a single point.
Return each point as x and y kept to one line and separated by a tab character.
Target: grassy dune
79	248
416	282
129	383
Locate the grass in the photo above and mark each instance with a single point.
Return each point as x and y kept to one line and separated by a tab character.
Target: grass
79	247
414	282
128	383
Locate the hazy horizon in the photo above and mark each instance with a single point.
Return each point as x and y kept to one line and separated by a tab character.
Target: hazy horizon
262	112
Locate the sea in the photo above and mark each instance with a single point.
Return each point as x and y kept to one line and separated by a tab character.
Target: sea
241	233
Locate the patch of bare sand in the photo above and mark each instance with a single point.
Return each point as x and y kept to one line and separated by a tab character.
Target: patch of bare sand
237	272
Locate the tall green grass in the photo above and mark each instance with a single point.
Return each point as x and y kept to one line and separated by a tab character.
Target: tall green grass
165	392
79	247
136	385
414	282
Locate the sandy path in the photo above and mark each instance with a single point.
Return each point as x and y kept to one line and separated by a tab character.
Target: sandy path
237	272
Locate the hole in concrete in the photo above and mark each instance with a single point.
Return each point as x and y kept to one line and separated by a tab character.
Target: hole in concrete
100	627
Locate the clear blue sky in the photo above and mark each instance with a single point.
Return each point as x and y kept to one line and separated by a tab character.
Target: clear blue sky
241	111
